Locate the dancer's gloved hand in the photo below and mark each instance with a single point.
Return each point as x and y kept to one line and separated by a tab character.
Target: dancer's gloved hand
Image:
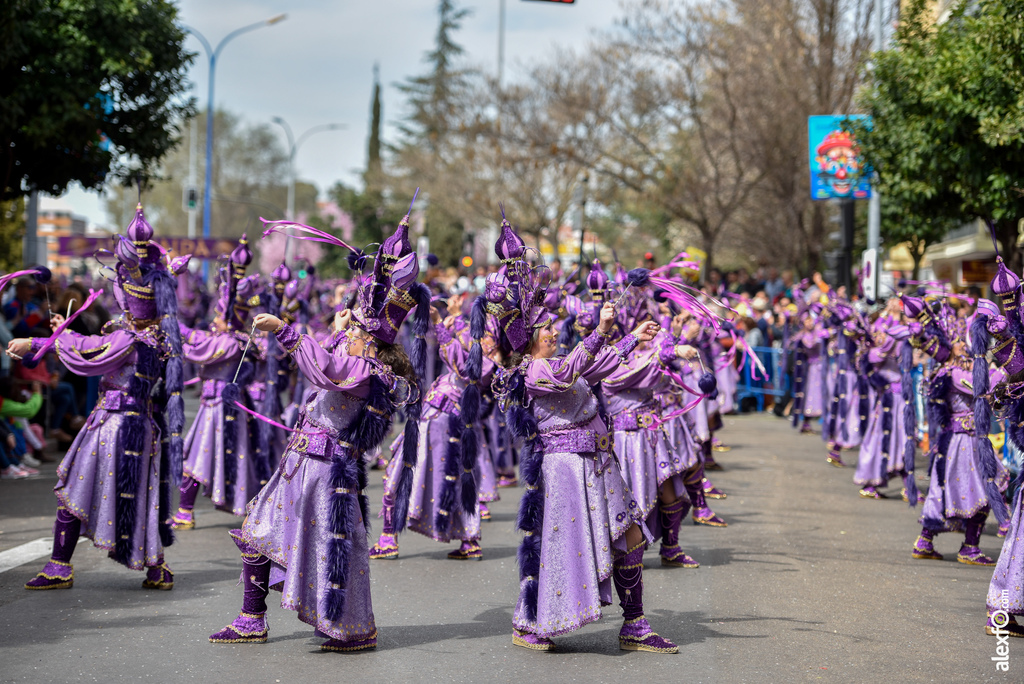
268	323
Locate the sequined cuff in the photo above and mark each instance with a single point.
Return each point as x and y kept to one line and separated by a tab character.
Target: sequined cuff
626	345
593	343
287	337
444	335
37	343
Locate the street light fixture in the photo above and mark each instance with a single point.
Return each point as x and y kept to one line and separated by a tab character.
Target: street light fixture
212	54
293	148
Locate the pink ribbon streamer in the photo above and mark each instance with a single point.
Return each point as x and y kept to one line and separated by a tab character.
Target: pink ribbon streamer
270	421
6	280
315	234
52	340
191	382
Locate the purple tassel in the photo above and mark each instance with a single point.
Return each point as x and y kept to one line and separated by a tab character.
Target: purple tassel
707	383
567	335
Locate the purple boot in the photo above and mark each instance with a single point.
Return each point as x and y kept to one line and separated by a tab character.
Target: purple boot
711	491
58	572
693	481
709	460
386	547
159	577
923	548
671	515
184	519
969	553
636	634
250	627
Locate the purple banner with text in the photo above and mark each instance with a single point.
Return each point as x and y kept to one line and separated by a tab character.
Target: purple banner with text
199	248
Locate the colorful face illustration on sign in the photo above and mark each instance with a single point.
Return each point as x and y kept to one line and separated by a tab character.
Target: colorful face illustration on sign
839	166
838	163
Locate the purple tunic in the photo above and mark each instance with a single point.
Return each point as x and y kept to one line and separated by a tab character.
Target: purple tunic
961	493
885	424
1006	591
643	450
217	356
87	477
442	402
288	521
814	384
587	506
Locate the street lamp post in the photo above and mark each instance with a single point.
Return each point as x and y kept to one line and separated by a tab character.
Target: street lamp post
293	148
212	54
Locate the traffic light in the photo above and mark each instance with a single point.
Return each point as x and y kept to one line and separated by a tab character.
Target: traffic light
190	198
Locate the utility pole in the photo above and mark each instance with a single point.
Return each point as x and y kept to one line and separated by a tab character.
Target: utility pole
875	203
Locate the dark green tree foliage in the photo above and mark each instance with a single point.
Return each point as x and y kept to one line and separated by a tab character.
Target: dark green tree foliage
424	154
948	134
73	72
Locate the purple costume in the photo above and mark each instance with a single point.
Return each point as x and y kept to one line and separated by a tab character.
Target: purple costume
114	483
287	522
881	448
588	507
230	480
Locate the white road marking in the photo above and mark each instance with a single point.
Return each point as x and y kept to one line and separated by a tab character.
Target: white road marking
19	555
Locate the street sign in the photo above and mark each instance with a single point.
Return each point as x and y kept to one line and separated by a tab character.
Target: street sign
835	163
869	274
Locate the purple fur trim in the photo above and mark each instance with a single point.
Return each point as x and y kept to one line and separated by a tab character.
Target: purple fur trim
420	325
567	335
799	376
342	527
232	392
863	403
469	447
409	445
132	438
475	361
909	411
478	318
531	594
528	556
446	501
887	418
165	291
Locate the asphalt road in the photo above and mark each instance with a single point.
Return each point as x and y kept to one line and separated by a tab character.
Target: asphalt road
808	583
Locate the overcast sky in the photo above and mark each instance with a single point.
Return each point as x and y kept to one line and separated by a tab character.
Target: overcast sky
317	66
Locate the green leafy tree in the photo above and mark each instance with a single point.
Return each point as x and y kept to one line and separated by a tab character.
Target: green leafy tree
89	90
428	154
948	119
12	230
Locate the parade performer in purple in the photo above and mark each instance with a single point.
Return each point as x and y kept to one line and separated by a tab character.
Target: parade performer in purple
306	532
658	471
966	478
113	486
584	531
222	454
444	501
881	450
842	421
809	371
